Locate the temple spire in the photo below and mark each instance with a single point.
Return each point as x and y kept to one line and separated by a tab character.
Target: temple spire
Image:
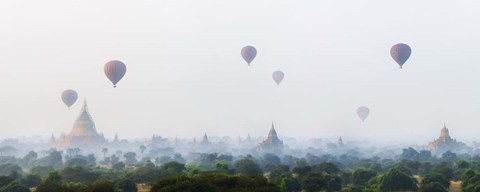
205	140
444	134
340	142
85	106
272	135
116	138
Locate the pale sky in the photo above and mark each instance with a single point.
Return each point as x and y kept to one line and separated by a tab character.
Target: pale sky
185	74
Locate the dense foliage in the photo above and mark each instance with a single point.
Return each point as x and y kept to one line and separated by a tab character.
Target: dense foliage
73	172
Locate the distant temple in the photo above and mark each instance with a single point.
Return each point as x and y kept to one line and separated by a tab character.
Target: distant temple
116	140
272	144
445	142
249	138
52	140
204	142
157	142
340	143
83	133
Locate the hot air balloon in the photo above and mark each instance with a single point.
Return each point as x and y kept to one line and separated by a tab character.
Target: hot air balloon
69	97
278	76
115	70
400	53
248	54
363	112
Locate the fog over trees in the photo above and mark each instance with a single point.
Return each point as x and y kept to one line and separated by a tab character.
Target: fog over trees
223	164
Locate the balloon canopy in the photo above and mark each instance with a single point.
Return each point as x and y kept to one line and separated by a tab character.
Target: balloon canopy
69	97
278	76
400	53
115	70
363	112
249	53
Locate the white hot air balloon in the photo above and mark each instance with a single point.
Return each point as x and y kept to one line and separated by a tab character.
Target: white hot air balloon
363	112
278	76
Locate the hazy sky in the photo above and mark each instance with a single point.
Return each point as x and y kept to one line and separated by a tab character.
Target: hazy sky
186	76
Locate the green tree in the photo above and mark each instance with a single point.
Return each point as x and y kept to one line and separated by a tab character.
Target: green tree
74	187
7	149
313	182
118	166
289	184
425	155
280	172
53	182
41	171
214	182
101	186
396	180
91	160
435	178
163	159
142	149
28	159
76	162
192	170
361	176
5	180
462	164
7	169
432	187
326	167
79	174
31	180
53	159
302	170
270	162
247	166
14	187
146	174
347	178
221	166
332	182
125	185
178	158
449	157
104	151
114	159
172	169
467	174
410	154
445	170
182	183
130	158
470	181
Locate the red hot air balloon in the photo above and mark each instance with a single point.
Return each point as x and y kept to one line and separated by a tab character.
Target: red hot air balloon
249	53
400	53
69	97
278	76
363	112
115	70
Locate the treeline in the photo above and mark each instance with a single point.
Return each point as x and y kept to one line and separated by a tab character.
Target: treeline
411	171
